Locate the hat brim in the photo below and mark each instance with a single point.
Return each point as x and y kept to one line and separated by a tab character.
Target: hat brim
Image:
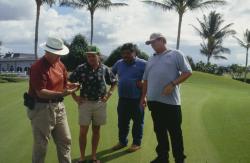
64	50
149	42
152	40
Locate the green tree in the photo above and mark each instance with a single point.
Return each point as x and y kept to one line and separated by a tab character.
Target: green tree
92	6
191	62
236	71
182	6
213	34
116	55
39	3
245	43
76	55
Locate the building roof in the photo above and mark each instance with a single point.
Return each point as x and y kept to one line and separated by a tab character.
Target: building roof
17	57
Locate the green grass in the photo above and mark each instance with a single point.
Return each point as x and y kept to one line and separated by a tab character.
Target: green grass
216	120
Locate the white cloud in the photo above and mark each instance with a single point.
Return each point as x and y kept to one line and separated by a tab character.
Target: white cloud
16	9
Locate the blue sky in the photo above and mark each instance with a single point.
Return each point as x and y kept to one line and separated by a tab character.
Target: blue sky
133	23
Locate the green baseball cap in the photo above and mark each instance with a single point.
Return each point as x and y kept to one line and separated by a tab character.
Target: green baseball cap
93	50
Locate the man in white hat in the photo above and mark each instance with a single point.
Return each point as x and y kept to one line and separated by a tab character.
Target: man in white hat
47	86
163	74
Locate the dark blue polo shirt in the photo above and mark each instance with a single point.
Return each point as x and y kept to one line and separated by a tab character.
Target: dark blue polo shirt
128	76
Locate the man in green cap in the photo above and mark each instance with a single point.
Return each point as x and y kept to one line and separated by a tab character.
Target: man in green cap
93	77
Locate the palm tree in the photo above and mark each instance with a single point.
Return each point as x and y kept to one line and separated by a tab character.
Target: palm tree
91	6
213	35
182	6
39	3
0	46
213	48
245	43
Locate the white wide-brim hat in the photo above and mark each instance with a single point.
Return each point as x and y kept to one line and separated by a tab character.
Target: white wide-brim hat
55	45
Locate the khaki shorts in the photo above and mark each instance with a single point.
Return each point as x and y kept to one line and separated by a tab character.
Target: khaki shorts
94	111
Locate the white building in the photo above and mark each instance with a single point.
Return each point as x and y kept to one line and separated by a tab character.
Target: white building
16	62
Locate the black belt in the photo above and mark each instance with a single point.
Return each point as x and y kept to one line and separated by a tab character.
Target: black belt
49	100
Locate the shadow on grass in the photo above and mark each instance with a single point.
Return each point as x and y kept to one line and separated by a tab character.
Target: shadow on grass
106	155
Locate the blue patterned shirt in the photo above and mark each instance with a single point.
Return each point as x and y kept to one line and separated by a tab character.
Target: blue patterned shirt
93	82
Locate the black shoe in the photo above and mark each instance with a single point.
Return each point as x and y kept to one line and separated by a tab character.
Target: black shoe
180	160
160	160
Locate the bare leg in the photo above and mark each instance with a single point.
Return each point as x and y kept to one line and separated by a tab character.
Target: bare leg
83	140
95	140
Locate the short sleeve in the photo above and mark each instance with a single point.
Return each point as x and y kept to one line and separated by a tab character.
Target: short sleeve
114	68
75	75
110	78
38	79
65	73
182	63
145	74
144	63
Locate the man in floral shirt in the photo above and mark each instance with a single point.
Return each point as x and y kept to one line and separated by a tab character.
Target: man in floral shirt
93	77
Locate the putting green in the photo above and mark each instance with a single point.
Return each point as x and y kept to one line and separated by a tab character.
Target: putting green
216	125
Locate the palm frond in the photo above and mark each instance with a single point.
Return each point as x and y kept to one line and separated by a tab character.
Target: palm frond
48	1
159	5
220	49
107	6
203	31
204	49
225	31
219	57
73	4
206	4
243	44
197	30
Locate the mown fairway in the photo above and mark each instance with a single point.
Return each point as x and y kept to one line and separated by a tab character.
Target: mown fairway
216	125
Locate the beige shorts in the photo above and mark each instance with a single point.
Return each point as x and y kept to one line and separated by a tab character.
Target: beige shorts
92	111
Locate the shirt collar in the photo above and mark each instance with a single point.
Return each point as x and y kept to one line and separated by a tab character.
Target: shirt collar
163	53
45	61
133	62
90	67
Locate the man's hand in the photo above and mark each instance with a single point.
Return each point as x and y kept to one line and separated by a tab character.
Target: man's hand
143	103
168	89
106	97
73	85
68	91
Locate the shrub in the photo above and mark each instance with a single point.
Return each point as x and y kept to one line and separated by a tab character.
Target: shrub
3	81
13	79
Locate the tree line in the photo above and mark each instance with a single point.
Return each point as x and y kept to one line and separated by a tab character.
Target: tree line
78	47
211	30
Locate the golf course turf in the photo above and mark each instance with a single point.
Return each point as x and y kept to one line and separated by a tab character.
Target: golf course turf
216	125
